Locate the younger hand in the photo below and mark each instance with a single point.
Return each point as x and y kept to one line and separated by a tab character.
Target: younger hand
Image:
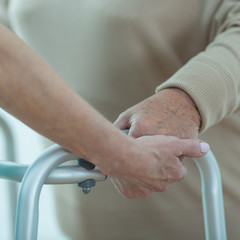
155	165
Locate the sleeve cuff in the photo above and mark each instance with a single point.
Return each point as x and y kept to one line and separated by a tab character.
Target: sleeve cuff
209	84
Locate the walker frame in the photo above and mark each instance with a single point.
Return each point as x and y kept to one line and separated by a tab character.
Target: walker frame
46	170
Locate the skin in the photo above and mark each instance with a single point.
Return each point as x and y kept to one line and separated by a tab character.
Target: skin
31	91
168	112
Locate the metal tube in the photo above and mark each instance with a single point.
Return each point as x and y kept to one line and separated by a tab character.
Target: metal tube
66	174
10	155
28	199
212	197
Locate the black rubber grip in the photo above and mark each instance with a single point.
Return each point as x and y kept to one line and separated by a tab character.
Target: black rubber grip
86	164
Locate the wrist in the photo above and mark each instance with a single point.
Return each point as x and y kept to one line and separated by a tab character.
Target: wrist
182	106
190	105
112	151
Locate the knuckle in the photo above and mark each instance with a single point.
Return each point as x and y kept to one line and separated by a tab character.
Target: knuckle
161	188
179	174
139	129
135	133
129	195
121	115
143	193
146	194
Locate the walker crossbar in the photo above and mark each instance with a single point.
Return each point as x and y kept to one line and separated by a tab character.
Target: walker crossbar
67	174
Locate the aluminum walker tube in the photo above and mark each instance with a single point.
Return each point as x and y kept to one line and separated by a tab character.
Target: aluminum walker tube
10	155
33	180
212	197
40	172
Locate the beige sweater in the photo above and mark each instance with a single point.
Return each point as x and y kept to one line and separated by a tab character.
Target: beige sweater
115	53
212	76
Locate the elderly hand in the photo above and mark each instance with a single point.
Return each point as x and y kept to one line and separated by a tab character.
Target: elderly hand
157	165
169	112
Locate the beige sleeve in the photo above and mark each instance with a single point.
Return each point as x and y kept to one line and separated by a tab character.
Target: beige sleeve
212	78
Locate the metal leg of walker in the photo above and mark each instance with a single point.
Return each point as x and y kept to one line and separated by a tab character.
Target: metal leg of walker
44	170
212	197
10	155
35	177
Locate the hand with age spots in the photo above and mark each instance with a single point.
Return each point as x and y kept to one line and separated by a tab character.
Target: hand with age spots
169	112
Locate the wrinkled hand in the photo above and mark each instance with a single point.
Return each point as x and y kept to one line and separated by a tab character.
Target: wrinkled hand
169	112
157	165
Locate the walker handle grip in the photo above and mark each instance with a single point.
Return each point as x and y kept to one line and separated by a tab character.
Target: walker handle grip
86	164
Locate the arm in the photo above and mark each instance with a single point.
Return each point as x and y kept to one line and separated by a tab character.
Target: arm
168	112
208	86
34	93
211	78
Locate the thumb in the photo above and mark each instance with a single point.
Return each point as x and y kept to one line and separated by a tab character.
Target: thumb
193	148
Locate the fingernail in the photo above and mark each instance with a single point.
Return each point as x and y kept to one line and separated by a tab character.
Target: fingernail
204	147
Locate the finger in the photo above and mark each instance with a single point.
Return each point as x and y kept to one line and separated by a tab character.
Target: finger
136	129
192	148
123	121
181	158
178	174
132	131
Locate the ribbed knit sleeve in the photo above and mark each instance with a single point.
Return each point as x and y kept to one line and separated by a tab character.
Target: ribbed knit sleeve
212	78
